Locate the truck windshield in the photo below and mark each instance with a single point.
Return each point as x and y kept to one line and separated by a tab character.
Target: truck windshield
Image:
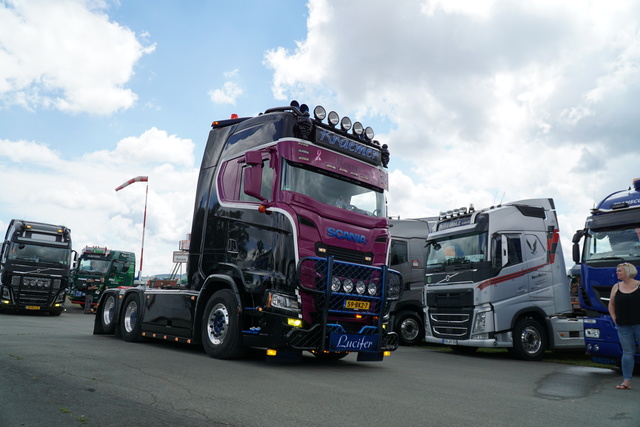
334	190
457	250
619	243
93	266
37	253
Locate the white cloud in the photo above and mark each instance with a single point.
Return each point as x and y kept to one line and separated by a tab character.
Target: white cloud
81	193
66	55
230	90
484	100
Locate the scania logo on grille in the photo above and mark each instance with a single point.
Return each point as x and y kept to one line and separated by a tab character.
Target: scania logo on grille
339	234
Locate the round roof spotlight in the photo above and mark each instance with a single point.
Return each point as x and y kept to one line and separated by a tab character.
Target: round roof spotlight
294	103
358	129
319	113
304	108
333	118
345	123
368	133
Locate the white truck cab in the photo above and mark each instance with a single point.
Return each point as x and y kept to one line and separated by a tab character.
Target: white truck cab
496	277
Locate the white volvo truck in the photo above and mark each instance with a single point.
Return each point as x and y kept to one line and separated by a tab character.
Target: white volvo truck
496	277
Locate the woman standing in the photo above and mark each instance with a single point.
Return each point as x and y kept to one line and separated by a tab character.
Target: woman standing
624	307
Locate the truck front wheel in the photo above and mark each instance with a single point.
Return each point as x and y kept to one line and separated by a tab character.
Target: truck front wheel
409	328
529	340
221	332
130	322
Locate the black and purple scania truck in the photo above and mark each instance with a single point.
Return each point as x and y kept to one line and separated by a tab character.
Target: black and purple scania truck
288	247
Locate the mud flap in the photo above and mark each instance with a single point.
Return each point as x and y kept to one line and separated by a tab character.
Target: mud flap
370	357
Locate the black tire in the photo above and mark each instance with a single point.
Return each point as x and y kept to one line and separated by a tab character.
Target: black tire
529	340
130	320
409	327
55	313
221	330
107	314
329	356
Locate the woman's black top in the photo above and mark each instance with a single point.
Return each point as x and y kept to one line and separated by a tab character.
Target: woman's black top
627	307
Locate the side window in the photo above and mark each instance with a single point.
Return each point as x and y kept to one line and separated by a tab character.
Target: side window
513	249
266	189
229	180
399	253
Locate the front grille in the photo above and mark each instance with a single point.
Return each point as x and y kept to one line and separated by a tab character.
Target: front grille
449	332
342	308
347	255
454	325
31	290
449	318
316	277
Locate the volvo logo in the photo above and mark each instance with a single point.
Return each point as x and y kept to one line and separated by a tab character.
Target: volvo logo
448	277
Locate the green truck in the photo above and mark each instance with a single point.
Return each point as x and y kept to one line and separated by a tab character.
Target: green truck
104	267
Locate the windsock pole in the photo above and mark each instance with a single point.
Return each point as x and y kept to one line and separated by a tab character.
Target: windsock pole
144	219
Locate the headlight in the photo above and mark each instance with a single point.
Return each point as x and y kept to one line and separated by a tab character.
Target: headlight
372	289
335	284
284	302
479	324
361	287
347	285
591	333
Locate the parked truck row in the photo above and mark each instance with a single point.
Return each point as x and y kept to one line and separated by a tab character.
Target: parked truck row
292	250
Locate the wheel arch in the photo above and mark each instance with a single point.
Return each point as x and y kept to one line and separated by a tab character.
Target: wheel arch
536	314
212	284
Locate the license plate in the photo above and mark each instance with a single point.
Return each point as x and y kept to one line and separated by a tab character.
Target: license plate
450	342
357	305
32	307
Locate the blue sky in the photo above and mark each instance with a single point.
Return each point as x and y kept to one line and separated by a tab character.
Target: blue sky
479	101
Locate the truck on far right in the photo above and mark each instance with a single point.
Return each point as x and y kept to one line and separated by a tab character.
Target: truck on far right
611	237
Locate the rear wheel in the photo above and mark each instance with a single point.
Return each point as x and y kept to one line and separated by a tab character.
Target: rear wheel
130	322
221	331
409	328
529	340
107	314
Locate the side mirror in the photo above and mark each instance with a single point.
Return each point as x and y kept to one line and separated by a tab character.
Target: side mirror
252	174
576	247
576	253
